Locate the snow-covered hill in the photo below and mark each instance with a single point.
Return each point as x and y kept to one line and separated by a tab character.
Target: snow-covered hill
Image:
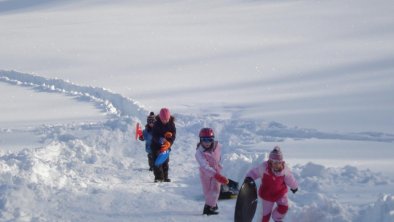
98	172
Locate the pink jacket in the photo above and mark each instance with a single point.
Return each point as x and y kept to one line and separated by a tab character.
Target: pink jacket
209	160
273	185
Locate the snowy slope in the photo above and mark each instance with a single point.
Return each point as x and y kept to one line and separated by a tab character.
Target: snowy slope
98	172
318	64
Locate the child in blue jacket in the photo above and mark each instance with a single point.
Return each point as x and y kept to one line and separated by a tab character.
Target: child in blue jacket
147	137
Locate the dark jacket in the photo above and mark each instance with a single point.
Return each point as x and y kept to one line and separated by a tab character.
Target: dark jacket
159	130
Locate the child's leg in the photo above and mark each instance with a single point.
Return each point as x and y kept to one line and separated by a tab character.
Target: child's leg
150	161
211	189
213	193
280	211
267	209
157	170
205	185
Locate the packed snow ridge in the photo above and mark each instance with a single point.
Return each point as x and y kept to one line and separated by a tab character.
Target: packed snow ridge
121	106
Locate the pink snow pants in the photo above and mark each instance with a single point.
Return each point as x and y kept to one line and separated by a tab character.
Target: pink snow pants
210	188
279	212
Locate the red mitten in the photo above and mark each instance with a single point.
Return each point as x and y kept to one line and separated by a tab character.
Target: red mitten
221	179
166	145
168	135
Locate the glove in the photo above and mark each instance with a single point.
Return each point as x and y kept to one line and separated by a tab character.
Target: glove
168	135
221	179
249	180
162	140
166	145
141	138
294	190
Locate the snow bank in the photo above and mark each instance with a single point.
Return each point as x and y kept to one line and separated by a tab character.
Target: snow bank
382	210
317	177
70	165
85	170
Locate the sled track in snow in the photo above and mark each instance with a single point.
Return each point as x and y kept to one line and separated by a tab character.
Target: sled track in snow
247	130
113	103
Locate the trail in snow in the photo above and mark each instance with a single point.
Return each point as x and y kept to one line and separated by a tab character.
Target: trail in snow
98	172
113	103
124	107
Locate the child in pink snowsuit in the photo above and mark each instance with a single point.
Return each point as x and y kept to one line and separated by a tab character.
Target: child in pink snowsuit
208	157
275	178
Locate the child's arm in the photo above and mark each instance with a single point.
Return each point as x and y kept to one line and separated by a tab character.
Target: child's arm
290	180
257	171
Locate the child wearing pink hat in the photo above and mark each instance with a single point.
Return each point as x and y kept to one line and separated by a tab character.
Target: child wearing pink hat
275	178
163	137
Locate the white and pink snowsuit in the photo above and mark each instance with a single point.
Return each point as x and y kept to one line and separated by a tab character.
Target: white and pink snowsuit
273	189
209	161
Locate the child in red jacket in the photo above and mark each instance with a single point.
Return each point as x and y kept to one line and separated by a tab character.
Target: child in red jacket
275	178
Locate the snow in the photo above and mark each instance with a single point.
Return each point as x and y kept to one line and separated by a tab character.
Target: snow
314	77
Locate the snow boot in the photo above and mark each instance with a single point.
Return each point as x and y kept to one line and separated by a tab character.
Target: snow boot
158	180
215	208
209	210
165	175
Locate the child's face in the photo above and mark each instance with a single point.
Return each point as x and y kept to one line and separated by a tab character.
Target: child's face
206	145
277	166
206	142
164	121
151	122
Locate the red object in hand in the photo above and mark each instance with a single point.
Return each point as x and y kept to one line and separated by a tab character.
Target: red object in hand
221	179
138	131
166	145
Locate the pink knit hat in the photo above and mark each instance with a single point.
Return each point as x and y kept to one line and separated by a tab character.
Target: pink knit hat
276	154
165	115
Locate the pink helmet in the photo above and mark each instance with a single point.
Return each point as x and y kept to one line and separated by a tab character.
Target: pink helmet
164	115
276	154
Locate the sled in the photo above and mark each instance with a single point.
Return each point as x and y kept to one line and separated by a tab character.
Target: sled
246	204
162	158
138	131
229	191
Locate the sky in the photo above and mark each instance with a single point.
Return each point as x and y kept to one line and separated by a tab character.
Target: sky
314	77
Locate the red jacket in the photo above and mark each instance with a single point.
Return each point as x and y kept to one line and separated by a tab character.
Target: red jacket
273	185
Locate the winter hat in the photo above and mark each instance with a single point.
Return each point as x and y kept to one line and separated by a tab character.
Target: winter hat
276	154
164	115
151	118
